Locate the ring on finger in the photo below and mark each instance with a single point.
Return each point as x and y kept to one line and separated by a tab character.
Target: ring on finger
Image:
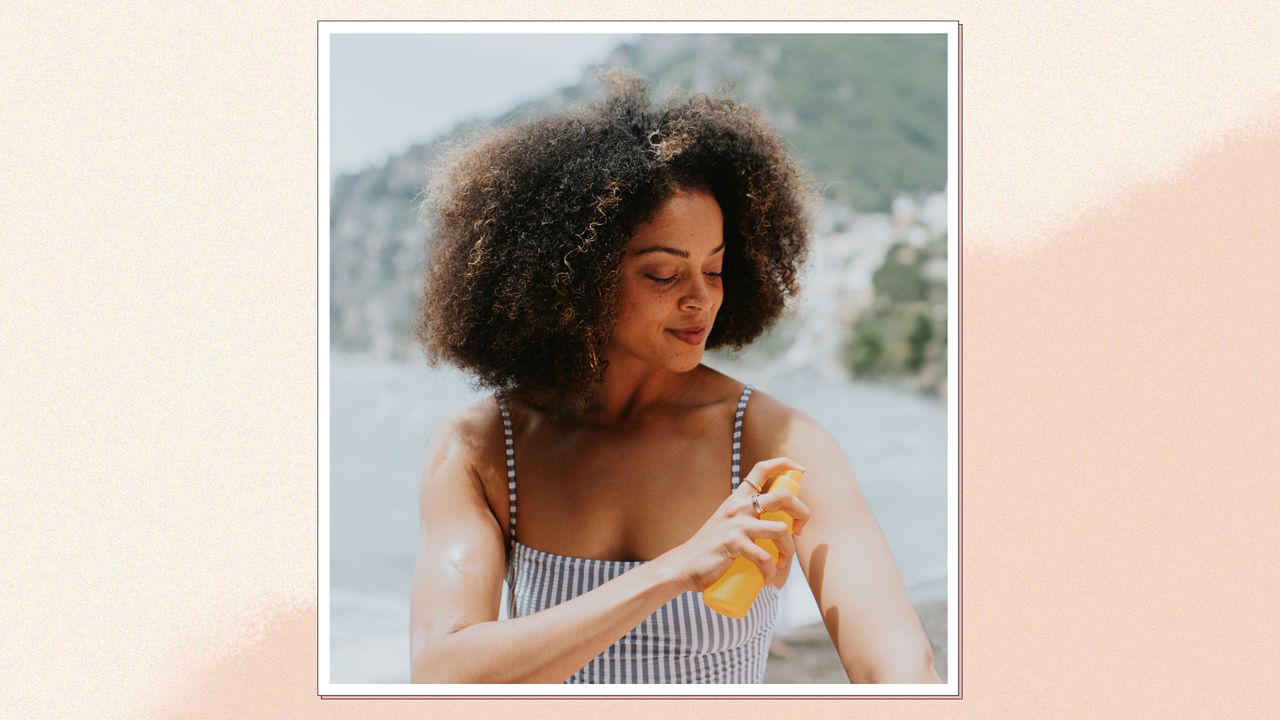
753	484
755	503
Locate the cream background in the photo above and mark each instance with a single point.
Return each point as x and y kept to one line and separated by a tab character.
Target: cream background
158	359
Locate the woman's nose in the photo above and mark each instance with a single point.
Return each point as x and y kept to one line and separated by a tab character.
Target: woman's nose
698	297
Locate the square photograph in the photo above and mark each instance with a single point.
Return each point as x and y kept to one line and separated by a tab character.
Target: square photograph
638	375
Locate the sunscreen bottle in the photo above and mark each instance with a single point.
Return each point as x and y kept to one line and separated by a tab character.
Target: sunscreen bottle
735	591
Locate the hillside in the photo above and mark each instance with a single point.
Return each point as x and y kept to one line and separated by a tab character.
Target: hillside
866	114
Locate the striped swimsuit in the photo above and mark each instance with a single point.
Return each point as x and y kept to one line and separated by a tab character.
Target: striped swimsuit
684	641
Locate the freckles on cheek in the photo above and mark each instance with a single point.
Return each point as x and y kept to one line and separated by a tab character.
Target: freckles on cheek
635	305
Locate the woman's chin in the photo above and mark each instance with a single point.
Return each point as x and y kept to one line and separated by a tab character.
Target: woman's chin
687	362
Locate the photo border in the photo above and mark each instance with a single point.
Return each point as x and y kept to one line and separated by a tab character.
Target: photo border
952	689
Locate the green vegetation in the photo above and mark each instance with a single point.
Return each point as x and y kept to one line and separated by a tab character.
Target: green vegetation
867	114
873	109
902	335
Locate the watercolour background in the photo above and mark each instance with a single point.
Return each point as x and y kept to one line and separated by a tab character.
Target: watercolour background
158	315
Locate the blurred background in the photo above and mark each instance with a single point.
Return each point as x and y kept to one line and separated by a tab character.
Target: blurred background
863	351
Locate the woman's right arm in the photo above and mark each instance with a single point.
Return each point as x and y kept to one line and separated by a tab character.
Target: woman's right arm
457	582
457	587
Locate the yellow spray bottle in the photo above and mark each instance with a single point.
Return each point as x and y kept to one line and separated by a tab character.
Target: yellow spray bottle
736	590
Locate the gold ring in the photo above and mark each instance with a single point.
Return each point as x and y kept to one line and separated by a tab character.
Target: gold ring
753	484
755	503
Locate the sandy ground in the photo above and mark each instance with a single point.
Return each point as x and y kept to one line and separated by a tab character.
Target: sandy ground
806	655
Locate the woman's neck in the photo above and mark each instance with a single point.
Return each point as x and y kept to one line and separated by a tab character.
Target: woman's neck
630	396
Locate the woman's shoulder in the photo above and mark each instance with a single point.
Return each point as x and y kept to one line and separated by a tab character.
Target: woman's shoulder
774	428
474	418
765	414
769	411
472	438
475	432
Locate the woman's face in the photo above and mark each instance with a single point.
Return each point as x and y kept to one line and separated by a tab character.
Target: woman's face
670	283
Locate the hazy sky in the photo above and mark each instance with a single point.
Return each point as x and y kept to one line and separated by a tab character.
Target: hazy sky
389	91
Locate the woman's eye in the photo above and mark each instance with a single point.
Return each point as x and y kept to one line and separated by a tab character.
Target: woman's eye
673	278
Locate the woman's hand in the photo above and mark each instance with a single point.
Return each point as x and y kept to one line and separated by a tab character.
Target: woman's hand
729	533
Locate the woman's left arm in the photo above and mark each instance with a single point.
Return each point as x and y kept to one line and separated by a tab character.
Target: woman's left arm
851	570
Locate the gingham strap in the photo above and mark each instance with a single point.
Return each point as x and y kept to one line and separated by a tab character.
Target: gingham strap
511	453
737	434
511	465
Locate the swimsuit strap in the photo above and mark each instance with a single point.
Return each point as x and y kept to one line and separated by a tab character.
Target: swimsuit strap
509	444
511	465
737	435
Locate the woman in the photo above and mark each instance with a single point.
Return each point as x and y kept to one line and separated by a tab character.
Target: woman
585	262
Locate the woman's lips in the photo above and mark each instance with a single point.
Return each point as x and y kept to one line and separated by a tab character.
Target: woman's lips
693	337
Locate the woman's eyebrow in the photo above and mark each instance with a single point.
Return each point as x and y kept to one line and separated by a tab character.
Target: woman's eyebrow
674	251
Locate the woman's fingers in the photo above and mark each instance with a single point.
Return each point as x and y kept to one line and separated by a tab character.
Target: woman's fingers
732	531
776	532
786	551
769	529
762	559
775	573
788	503
766	469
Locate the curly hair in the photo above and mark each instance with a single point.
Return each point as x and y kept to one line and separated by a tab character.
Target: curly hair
521	288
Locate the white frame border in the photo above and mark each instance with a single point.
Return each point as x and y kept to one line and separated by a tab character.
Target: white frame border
325	31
